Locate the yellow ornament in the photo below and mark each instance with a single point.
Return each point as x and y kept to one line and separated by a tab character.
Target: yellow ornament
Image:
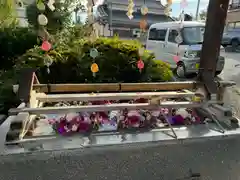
144	10
143	24
94	68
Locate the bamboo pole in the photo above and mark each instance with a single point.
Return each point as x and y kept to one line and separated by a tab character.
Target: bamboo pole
108	107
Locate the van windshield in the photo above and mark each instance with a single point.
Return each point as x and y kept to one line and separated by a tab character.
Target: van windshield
193	35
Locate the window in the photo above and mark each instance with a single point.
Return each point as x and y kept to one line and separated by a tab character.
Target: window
193	35
157	34
172	36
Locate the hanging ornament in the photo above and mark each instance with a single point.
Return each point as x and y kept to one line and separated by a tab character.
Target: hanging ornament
42	20
183	4
143	25
50	5
176	59
48	62
178	39
40	5
129	15
46	46
140	65
94	69
141	51
130	9
169	2
93	53
144	10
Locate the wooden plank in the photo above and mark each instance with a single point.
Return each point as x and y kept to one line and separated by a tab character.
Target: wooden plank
47	88
110	96
164	86
107	107
114	87
26	80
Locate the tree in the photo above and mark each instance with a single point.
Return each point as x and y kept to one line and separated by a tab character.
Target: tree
203	15
57	19
79	8
7	13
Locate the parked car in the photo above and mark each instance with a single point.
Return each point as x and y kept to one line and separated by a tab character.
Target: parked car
180	45
231	37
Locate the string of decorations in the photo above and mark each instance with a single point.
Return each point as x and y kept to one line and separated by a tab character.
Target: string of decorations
130	9
43	21
93	51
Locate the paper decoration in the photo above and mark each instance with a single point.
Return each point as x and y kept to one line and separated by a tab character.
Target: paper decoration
143	24
130	9
169	2
179	39
93	53
176	58
40	5
94	69
140	65
42	20
50	5
144	10
183	4
46	46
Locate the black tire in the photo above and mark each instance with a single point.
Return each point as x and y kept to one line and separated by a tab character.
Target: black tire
235	43
180	70
218	72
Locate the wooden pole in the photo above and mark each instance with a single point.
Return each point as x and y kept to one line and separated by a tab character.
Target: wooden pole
216	17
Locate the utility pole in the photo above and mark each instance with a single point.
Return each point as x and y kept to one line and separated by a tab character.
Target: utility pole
216	17
197	11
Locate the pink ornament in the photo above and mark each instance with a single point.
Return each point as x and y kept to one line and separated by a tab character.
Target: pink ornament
176	58
183	4
140	64
46	46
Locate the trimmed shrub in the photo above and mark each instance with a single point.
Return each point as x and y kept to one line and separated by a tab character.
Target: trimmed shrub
117	62
14	42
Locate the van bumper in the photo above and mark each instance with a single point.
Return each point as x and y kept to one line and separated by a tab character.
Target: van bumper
192	65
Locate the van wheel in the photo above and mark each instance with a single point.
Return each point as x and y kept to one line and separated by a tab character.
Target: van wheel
218	72
180	70
234	44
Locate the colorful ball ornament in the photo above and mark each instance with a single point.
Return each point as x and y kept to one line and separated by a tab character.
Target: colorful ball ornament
42	20
46	46
40	5
140	64
143	24
93	52
94	69
144	10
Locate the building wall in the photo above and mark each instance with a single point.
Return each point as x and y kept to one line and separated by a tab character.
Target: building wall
233	16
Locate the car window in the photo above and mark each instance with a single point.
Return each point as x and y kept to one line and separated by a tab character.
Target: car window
157	34
172	35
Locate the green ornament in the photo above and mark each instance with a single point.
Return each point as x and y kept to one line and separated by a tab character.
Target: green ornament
40	5
93	53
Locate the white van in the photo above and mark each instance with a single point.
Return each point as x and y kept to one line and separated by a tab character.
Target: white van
179	45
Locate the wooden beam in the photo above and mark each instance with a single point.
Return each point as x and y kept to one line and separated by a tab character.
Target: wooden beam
216	17
114	87
108	107
110	96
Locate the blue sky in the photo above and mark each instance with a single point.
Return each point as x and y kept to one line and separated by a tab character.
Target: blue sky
191	7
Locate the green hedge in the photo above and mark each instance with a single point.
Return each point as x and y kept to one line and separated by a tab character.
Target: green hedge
14	42
117	62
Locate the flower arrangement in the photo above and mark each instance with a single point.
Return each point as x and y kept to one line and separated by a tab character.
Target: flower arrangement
85	122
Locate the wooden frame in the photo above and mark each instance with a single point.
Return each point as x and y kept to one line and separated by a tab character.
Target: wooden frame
35	94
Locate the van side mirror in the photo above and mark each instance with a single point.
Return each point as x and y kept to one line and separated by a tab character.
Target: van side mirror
144	46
